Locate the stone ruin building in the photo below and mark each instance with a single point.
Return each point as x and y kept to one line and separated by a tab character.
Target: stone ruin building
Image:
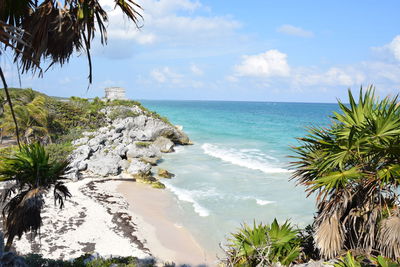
115	93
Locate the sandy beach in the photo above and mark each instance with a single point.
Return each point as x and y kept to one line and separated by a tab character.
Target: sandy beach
114	217
165	238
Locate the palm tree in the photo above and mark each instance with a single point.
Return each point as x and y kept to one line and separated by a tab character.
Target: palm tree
2	103
52	30
34	175
32	118
353	168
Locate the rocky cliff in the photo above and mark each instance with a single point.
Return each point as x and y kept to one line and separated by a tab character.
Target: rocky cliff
126	147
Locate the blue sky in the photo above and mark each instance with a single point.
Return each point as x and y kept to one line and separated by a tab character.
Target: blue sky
302	51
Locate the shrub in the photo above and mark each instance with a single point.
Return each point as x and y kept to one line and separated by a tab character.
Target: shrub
349	261
385	262
8	151
249	246
59	152
263	245
121	113
71	135
36	260
285	244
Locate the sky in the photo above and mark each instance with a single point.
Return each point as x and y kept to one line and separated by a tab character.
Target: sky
258	50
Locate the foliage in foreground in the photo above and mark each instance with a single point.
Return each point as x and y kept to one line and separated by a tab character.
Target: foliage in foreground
353	167
34	175
360	261
263	245
35	260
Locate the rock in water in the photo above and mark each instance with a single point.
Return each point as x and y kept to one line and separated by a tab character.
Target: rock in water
158	185
165	174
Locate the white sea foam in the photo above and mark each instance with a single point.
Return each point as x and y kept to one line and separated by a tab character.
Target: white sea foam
263	202
259	201
179	149
186	195
243	158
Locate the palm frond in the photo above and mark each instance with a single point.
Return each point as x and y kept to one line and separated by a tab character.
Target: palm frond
389	237
329	236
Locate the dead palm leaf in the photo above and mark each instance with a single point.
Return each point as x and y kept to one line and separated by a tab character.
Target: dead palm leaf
329	236
389	237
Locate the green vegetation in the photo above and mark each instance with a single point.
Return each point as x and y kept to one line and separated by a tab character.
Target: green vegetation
35	260
59	151
248	246
32	117
263	245
349	261
34	176
56	123
158	185
122	114
143	144
8	150
361	261
285	244
354	167
130	103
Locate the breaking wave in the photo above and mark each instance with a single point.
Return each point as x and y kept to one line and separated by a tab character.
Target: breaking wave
248	158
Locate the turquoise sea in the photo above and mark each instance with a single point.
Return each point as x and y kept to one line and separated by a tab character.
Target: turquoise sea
238	168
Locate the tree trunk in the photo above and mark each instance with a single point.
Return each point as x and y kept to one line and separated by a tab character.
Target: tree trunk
9	243
11	106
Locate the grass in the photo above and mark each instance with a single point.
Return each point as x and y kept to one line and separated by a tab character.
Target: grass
143	144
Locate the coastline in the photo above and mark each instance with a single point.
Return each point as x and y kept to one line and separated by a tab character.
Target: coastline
115	217
94	220
164	237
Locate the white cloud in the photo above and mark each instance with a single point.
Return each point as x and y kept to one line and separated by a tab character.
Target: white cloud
268	64
232	78
392	48
295	31
332	77
65	80
196	70
161	24
166	75
163	7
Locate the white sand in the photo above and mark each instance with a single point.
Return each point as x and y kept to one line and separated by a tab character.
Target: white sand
114	218
165	238
84	225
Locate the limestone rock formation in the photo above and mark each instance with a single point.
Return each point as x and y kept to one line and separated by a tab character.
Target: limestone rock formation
125	146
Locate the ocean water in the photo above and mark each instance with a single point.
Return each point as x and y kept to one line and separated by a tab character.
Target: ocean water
237	171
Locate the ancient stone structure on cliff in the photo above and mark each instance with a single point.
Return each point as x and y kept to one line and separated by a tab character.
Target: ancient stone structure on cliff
114	93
